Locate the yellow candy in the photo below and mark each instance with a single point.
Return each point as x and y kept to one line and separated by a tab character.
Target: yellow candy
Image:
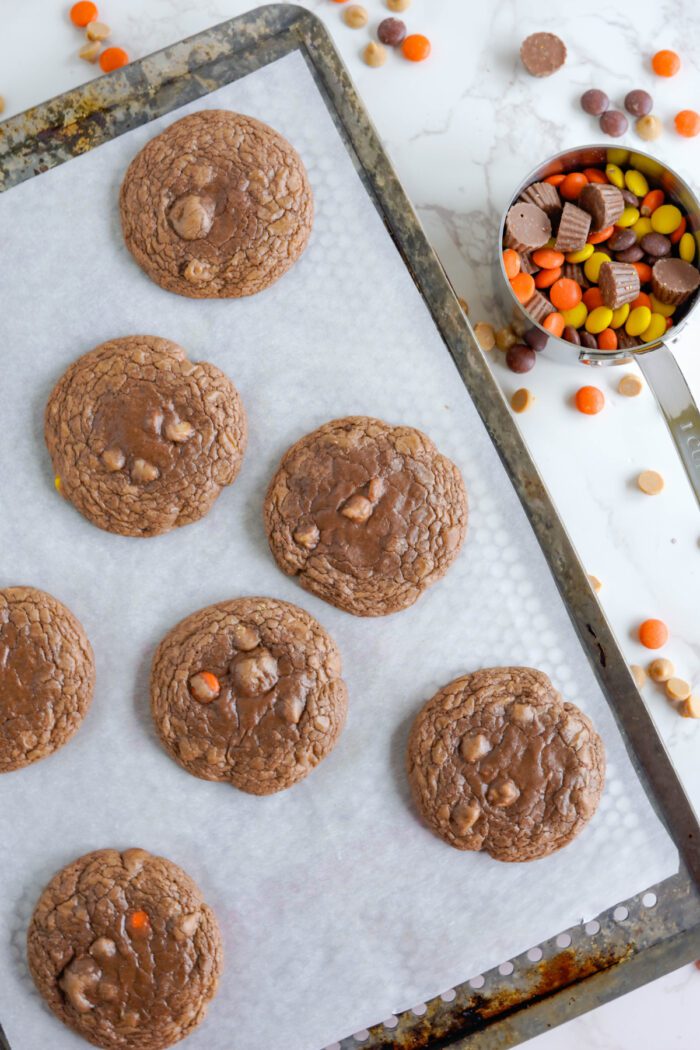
666	219
636	183
655	328
650	167
629	216
686	247
620	315
618	156
642	227
665	309
638	320
592	265
599	319
615	175
57	483
581	255
576	316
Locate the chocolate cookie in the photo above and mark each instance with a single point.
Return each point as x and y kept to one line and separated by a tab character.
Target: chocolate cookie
47	675
141	439
124	950
365	514
498	761
248	691
216	206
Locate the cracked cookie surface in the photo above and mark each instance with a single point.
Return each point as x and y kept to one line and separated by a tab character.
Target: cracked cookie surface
47	676
142	439
248	691
365	514
498	761
218	205
124	950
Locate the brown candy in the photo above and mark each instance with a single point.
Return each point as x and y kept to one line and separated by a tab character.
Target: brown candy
605	204
543	195
527	227
573	229
618	283
673	280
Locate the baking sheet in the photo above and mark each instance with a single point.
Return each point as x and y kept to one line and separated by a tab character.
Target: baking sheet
337	907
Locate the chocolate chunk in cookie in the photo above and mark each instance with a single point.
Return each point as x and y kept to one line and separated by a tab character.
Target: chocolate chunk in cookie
248	691
497	761
141	439
367	515
216	206
47	676
124	950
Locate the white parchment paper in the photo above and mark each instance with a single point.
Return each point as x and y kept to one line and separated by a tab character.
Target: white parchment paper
337	906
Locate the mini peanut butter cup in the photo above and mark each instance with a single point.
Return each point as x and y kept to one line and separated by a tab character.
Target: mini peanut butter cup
539	307
673	281
543	195
526	263
573	229
618	283
604	204
527	227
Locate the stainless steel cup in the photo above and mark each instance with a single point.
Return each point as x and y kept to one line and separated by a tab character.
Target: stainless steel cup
656	359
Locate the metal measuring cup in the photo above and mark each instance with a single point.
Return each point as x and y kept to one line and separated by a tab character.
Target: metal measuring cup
655	359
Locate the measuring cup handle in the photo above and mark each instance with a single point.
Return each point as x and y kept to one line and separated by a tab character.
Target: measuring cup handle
663	374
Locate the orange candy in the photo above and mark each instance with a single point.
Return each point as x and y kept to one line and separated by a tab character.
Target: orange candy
687	123
653	634
547	258
138	921
554	324
665	63
113	58
642	300
565	294
653	200
571	187
601	235
595	175
416	47
593	297
546	278
589	400
555	180
677	234
511	263
644	271
523	285
83	13
607	340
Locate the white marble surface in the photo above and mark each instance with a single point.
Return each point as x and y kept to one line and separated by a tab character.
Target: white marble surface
462	130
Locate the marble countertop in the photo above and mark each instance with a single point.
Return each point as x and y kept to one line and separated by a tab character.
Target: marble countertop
462	130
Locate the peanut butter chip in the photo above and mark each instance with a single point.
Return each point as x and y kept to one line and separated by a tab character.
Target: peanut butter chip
677	689
355	16
245	638
204	687
464	816
522	400
307	536
691	707
197	271
473	748
191	216
661	670
97	31
505	338
103	948
503	793
595	583
256	674
650	482
90	51
639	675
374	54
358	508
143	471
179	432
485	335
113	459
630	385
398	5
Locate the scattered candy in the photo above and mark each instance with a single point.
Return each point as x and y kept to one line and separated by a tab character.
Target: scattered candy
648	128
90	51
536	339
650	482
374	54
485	335
661	670
691	709
522	400
392	31
589	400
639	675
638	102
83	13
398	5
687	123
594	102
520	358
614	123
665	63
113	58
677	689
653	634
542	54
505	338
595	583
416	47
97	31
355	16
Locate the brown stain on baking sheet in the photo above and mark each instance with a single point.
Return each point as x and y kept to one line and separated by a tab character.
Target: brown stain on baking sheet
443	1023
